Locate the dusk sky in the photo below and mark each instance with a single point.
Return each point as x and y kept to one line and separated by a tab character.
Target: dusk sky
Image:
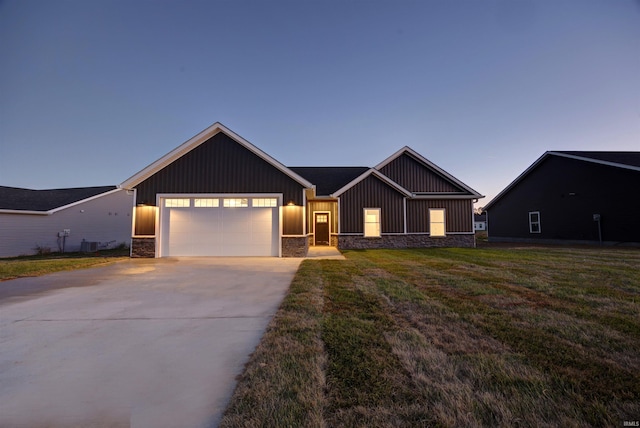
93	91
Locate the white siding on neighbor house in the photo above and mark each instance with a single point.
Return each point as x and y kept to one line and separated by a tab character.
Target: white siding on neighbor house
105	219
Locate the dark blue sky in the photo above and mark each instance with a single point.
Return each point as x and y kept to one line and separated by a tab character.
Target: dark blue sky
93	91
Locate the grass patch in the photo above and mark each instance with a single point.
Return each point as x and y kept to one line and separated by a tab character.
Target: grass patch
451	337
24	266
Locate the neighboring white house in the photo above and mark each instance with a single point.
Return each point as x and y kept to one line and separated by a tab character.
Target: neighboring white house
33	221
479	222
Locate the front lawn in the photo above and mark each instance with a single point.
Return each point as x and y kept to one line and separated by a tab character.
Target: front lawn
17	267
451	337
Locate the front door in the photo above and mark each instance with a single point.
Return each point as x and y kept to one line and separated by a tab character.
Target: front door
321	228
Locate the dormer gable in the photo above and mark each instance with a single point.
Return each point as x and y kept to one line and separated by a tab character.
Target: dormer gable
415	173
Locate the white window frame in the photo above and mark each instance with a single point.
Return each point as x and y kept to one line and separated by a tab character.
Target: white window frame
532	223
443	222
235	203
377	233
177	202
206	202
264	202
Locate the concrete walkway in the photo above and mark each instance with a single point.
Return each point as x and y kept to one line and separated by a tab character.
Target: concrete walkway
140	343
323	253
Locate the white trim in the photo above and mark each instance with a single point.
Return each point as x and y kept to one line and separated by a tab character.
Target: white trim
364	222
339	222
429	164
280	228
432	196
304	211
448	233
404	213
278	196
366	174
196	141
599	161
531	223
4	211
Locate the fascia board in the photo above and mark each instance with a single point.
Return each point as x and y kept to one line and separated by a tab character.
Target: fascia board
194	142
392	157
376	173
445	196
598	161
517	180
431	165
24	212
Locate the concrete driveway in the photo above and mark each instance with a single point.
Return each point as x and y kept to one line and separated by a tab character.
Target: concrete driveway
140	343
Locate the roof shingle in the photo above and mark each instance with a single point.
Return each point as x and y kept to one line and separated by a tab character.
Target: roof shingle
329	179
15	198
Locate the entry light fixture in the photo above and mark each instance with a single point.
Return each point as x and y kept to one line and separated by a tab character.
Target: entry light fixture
291	203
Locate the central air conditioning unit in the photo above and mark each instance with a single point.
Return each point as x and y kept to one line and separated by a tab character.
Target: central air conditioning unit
88	247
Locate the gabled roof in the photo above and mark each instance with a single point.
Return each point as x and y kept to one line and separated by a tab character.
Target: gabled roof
427	163
45	201
625	160
197	140
329	179
375	173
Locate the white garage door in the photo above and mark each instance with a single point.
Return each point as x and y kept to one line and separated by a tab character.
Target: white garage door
229	226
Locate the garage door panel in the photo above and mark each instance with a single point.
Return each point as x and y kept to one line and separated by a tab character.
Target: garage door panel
219	231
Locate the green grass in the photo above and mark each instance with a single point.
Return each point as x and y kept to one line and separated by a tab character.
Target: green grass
451	337
24	266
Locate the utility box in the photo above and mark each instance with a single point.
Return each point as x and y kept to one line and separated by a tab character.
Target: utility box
88	247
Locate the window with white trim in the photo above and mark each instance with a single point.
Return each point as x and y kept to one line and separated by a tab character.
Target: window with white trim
371	222
437	222
534	222
177	203
236	203
264	202
206	203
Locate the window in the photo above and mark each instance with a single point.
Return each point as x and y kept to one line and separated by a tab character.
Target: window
206	203
534	222
237	202
372	222
437	222
177	203
264	202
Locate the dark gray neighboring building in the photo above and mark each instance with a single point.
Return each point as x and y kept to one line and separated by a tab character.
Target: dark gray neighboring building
571	197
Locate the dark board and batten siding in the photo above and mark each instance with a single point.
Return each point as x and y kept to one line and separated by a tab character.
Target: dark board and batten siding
330	206
219	165
371	193
415	177
459	214
292	220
